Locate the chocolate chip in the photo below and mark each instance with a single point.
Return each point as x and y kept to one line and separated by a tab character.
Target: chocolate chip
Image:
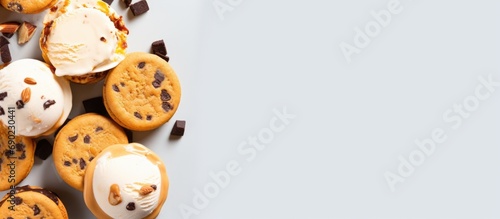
108	1
137	115
67	163
91	158
166	106
18	200
98	129
5	53
153	186
127	2
2	112
36	210
14	6
3	95
73	138
82	163
115	88
149	117
48	103
43	149
10	218
159	47
3	41
95	105
86	139
156	84
20	146
122	84
179	127
103	39
130	206
23	156
159	77
74	160
141	65
164	96
9	153
139	7
20	104
164	57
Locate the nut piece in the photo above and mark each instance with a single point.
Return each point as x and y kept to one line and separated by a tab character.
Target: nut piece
26	95
26	31
36	120
114	197
146	190
9	27
29	81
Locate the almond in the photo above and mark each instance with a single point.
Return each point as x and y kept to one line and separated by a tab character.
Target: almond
114	197
26	95
9	27
29	81
26	31
146	190
37	120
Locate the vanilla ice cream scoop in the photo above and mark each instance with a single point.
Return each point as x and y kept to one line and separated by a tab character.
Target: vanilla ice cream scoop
32	98
125	181
82	38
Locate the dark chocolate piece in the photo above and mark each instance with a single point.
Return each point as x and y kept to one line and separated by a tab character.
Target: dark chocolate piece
127	2
74	160
95	105
73	138
86	139
5	53
141	65
98	129
108	1
166	106
67	163
137	115
2	112
139	7
3	95
164	96
23	156
159	47
48	103
82	163
164	57
3	41
18	200
153	186
149	117
159	77
20	146
179	127
130	206
115	88
20	104
36	210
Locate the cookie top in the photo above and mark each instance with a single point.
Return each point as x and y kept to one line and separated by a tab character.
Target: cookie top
142	92
80	141
32	202
27	6
15	155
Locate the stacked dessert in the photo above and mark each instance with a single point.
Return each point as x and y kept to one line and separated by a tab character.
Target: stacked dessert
91	152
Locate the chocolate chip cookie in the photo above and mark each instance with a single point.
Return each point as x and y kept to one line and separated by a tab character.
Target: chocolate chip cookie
27	6
142	92
32	202
80	141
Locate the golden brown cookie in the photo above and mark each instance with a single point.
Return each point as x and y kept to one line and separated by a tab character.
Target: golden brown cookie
80	141
142	92
27	6
31	202
16	157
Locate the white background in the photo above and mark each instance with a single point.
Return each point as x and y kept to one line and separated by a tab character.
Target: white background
353	120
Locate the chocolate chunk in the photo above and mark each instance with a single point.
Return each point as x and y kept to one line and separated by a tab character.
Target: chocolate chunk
115	88
137	115
23	156
164	96
103	39
10	218
95	105
108	1
74	160
43	149
129	134
48	103
139	7
164	57
130	206
86	139
156	84
122	84
166	106
14	6
36	210
179	127
20	104
91	158
98	129
159	47
18	200
141	65
149	117
3	41
59	129
127	2
73	138
5	53
9	153
153	186
20	146
159	77
2	112
67	163
82	164
3	95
